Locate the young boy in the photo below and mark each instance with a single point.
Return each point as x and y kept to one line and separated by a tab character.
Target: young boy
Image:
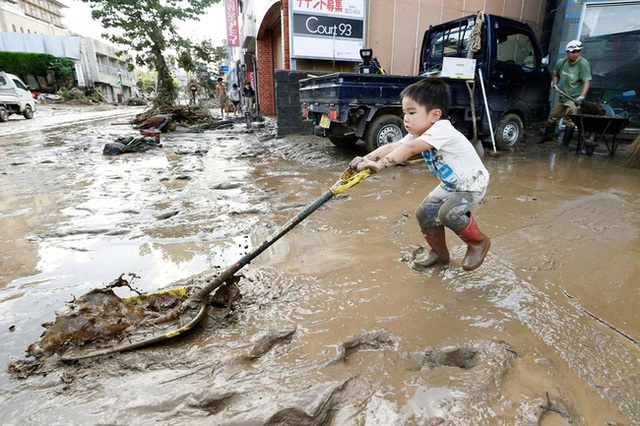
234	95
452	159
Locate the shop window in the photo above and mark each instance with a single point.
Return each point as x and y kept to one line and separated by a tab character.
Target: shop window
610	33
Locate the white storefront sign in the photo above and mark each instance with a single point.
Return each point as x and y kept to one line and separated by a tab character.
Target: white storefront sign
327	29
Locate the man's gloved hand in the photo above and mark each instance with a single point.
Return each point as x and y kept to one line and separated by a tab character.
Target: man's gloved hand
554	86
579	99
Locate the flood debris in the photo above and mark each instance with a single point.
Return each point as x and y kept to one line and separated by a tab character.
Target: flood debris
129	144
97	315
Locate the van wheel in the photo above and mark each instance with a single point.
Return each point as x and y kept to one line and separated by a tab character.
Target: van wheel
28	112
509	132
4	115
343	141
384	129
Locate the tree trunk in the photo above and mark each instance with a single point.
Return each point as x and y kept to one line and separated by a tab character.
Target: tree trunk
166	90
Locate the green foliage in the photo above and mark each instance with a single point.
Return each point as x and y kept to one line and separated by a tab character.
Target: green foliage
146	80
63	71
149	28
21	64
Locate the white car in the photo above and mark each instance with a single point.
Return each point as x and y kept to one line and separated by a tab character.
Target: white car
15	97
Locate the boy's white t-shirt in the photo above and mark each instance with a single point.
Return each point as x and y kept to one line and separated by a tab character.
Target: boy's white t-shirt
234	94
454	160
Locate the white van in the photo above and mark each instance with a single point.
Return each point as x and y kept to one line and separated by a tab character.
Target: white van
15	97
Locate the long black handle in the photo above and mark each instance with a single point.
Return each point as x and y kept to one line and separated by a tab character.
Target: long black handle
244	260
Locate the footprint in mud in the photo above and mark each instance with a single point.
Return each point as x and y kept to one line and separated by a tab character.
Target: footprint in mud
467	356
376	339
537	411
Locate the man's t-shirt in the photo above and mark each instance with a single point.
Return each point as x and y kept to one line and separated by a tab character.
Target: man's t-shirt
572	76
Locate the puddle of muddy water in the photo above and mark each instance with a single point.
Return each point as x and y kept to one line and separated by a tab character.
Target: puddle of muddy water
333	326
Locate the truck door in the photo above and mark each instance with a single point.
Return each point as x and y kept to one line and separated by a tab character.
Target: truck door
517	80
23	93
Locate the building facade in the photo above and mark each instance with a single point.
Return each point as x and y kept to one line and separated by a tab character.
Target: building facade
36	26
32	17
609	29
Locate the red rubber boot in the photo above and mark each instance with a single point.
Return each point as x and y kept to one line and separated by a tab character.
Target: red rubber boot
477	245
439	252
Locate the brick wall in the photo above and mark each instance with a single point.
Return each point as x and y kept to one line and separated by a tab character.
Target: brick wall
264	52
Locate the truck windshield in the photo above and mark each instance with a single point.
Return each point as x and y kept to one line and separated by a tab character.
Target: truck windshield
3	81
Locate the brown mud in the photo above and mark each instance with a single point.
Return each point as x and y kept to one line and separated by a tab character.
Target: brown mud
333	327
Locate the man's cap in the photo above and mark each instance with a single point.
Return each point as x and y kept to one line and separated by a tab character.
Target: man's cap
574	45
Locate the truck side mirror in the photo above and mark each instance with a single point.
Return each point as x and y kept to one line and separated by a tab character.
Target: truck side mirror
545	61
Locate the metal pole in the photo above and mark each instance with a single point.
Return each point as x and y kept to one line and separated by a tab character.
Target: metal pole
486	107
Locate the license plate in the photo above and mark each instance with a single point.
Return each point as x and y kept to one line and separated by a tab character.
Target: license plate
325	122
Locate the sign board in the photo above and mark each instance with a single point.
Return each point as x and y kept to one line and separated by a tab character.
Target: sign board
224	68
80	75
231	15
327	29
462	68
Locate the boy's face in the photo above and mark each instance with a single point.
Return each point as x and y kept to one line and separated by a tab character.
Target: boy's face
417	119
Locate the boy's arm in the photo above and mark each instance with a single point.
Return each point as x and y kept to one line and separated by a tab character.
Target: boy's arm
391	154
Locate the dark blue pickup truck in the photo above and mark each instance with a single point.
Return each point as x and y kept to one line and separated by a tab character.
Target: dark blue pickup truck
346	107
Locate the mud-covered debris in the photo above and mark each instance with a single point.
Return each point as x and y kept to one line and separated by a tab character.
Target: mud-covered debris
264	343
97	315
167	214
376	339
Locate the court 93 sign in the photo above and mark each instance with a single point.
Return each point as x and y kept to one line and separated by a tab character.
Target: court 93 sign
327	29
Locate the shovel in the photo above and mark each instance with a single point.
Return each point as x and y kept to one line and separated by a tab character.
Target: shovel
193	309
587	107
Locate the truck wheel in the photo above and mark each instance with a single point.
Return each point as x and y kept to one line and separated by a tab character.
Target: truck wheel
384	129
343	141
28	112
509	132
4	115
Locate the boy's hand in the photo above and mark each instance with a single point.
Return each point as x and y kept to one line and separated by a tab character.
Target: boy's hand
354	163
374	166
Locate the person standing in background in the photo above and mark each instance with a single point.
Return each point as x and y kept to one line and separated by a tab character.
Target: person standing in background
234	95
573	75
249	96
221	93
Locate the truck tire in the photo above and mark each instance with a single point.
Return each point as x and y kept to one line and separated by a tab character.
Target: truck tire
4	115
28	112
343	141
509	132
382	130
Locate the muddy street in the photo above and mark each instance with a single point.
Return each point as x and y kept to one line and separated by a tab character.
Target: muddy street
333	327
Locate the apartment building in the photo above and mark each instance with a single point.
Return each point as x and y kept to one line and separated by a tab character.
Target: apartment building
32	17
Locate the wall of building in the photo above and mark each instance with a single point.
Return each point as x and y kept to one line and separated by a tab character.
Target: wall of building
18	17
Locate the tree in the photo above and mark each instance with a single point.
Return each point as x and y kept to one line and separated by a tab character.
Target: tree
148	28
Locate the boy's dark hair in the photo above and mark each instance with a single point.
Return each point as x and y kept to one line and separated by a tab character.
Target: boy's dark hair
235	86
431	93
219	79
